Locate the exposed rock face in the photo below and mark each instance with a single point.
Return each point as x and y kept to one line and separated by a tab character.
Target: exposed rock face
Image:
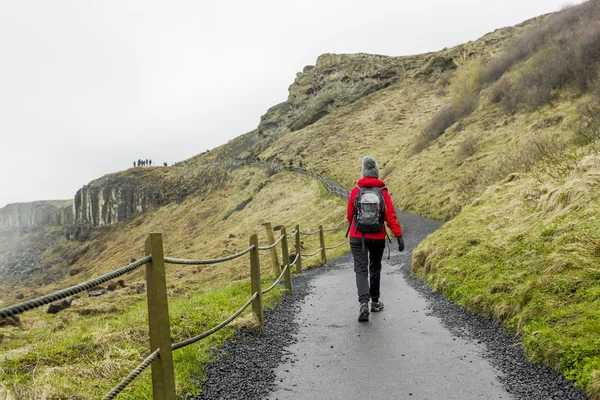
113	199
36	214
335	80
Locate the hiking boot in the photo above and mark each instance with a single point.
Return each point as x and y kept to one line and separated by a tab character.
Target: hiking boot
363	314
377	306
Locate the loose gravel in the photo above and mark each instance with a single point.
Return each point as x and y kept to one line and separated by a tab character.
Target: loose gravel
521	378
244	367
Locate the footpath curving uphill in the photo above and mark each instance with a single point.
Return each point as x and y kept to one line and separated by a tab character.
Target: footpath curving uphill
421	347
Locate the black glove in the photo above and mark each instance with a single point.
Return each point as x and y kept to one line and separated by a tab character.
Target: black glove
400	243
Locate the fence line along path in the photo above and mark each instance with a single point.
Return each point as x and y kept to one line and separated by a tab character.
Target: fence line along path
160	357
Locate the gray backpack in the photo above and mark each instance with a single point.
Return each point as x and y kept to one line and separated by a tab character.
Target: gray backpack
369	210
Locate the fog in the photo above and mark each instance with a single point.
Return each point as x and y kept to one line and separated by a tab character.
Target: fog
87	87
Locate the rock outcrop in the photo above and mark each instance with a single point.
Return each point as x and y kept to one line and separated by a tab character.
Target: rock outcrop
336	80
36	214
114	198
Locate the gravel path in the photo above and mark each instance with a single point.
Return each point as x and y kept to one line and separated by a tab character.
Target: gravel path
302	353
245	366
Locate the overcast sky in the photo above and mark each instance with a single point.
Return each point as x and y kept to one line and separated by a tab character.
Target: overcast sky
87	87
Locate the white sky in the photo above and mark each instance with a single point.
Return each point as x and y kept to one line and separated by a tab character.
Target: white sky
87	87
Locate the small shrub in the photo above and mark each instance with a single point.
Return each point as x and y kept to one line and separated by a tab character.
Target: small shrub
444	79
499	90
468	187
469	146
536	37
587	126
441	121
464	97
544	156
464	86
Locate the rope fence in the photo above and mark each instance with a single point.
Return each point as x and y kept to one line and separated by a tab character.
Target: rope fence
160	358
206	262
61	294
337	245
134	374
345	226
271	245
310	233
312	254
222	325
276	281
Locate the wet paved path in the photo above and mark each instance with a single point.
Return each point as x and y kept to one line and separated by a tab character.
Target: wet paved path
401	353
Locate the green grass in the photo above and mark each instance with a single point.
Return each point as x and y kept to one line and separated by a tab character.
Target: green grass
531	263
86	358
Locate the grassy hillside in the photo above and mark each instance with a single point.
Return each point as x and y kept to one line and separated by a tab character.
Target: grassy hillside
43	357
524	250
528	254
510	136
502	142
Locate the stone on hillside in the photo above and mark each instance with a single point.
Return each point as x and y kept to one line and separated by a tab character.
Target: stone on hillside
111	287
20	296
140	288
96	293
12	321
121	283
58	306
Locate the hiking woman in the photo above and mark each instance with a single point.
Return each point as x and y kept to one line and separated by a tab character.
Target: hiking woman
370	207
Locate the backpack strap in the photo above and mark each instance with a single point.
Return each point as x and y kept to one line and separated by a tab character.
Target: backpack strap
382	199
354	214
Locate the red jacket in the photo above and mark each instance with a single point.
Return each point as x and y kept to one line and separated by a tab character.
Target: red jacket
390	214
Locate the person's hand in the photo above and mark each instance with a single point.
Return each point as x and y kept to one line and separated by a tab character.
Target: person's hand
400	243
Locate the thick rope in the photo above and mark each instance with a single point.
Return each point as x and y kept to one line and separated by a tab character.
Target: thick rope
312	254
338	245
293	235
310	233
134	374
277	281
204	262
61	294
336	229
271	245
295	260
216	328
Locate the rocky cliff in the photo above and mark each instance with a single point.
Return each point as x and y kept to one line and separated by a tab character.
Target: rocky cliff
340	79
36	214
115	198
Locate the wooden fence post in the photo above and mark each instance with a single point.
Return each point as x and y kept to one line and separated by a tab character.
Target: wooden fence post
270	241
285	254
257	305
163	379
322	240
298	251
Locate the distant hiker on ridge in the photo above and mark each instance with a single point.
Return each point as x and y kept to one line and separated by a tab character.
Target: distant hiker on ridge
369	208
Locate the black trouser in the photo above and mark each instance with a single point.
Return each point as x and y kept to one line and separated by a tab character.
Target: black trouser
367	267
